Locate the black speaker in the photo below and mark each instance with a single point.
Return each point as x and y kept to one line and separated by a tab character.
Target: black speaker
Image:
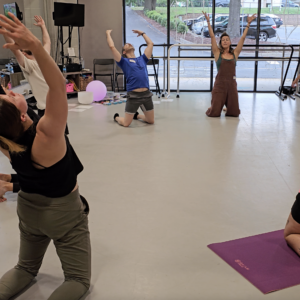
71	68
74	67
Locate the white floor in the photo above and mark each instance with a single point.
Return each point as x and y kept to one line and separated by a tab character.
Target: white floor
160	194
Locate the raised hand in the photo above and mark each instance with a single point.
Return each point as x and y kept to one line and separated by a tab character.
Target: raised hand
108	31
39	21
206	16
23	38
294	84
138	32
250	19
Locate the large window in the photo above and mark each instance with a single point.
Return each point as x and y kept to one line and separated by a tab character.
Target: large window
277	25
285	17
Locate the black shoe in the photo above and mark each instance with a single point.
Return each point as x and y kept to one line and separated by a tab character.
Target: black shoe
116	115
135	115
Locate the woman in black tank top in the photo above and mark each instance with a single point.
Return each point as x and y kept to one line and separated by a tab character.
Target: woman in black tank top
49	204
10	182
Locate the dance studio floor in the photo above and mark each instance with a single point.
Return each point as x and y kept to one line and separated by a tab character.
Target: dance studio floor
159	194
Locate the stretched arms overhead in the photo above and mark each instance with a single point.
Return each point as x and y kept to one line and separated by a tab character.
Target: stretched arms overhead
214	46
149	49
17	53
51	127
111	45
239	47
117	55
46	38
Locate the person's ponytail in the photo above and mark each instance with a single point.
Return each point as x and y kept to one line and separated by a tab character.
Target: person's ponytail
10	146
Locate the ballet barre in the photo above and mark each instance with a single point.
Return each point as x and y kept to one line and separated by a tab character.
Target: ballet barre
285	49
241	58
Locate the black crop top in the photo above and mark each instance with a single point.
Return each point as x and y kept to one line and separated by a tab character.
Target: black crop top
56	181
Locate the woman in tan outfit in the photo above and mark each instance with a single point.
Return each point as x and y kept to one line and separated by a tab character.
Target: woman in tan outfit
225	87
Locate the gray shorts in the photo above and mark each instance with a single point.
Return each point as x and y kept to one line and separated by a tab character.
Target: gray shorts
139	99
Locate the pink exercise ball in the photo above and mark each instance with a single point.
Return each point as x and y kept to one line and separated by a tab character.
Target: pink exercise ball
98	88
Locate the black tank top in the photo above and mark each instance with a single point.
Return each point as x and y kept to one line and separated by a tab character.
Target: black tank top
56	181
33	116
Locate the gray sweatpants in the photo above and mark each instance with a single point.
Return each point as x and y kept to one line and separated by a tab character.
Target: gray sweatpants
63	220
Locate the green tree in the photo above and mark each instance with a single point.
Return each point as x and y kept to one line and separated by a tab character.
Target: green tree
135	2
150	5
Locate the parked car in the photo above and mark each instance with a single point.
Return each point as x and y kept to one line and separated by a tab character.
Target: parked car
198	27
190	22
278	21
222	3
267	28
288	3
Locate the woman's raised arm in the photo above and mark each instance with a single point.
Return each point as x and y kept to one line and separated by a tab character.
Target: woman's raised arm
214	46
53	124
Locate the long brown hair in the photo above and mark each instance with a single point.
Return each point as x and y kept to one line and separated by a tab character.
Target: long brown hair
10	126
231	50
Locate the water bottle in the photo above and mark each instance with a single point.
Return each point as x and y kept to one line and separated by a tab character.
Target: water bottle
82	63
11	69
64	69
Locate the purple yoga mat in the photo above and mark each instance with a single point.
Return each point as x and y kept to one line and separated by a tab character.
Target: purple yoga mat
265	260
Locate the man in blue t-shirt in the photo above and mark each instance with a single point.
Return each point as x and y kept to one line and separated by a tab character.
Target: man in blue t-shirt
135	71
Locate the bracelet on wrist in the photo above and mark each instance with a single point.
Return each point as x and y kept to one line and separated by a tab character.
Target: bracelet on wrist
143	33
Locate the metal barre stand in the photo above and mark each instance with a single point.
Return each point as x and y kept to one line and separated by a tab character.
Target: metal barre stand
210	58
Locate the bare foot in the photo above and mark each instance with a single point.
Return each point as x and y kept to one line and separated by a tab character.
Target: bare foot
2	199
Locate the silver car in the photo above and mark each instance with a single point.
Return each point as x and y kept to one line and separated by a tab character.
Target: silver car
198	27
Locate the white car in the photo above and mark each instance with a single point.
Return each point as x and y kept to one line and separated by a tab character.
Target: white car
198	27
278	21
190	22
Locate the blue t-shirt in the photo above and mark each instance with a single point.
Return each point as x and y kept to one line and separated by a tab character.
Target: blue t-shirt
135	71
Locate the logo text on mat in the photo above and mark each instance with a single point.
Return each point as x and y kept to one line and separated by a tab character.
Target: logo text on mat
241	264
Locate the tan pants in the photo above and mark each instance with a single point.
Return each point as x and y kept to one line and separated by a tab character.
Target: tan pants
63	220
